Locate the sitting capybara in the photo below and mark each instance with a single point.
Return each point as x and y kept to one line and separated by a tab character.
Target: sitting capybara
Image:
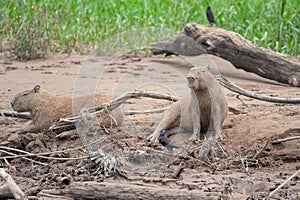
203	110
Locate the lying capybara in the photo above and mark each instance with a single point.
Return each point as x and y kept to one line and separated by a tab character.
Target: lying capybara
46	108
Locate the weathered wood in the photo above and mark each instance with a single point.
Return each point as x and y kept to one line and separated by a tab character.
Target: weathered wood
5	193
53	194
285	139
11	185
8	113
137	112
231	86
282	184
107	190
231	46
245	55
181	44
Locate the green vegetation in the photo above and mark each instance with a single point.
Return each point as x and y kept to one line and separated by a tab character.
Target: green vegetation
29	28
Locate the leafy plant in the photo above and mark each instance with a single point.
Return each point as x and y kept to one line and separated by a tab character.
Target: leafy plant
32	27
27	32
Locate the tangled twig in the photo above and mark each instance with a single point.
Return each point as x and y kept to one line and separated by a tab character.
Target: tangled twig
27	154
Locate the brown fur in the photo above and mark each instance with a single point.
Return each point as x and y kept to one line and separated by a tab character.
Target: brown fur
203	110
46	108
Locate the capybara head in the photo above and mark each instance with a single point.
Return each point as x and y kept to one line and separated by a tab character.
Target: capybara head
195	78
24	101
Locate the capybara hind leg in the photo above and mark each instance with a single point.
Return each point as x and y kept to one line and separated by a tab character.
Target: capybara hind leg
169	121
29	129
163	125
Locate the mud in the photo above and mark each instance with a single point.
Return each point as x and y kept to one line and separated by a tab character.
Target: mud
249	164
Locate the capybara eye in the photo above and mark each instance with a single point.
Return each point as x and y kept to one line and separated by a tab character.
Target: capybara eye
25	94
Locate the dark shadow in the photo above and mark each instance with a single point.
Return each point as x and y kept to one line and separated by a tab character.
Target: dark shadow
252	78
175	63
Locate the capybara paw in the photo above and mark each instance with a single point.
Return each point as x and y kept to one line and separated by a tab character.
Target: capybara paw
14	130
153	137
193	138
204	153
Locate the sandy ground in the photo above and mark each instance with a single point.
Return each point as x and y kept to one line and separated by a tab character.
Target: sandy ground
248	172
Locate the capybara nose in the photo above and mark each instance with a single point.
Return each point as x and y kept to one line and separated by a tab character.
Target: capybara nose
190	78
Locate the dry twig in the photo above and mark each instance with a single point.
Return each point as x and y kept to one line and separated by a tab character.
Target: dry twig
261	150
285	139
238	97
8	113
179	170
26	154
134	112
12	155
11	185
282	184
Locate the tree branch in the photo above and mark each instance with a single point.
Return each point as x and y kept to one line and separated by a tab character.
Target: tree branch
69	123
231	86
11	185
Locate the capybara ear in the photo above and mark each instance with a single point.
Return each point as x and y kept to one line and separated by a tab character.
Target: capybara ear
36	88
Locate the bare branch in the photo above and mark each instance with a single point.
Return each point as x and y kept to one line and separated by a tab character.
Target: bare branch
285	139
27	154
231	86
8	113
135	112
281	185
244	54
69	123
11	185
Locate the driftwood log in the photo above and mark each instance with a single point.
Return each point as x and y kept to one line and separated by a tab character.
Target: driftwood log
231	46
107	190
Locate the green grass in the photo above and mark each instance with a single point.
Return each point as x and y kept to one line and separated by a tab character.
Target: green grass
30	28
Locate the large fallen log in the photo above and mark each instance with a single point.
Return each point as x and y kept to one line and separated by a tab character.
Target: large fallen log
106	190
242	53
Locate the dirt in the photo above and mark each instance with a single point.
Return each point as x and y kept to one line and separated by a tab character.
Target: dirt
248	167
